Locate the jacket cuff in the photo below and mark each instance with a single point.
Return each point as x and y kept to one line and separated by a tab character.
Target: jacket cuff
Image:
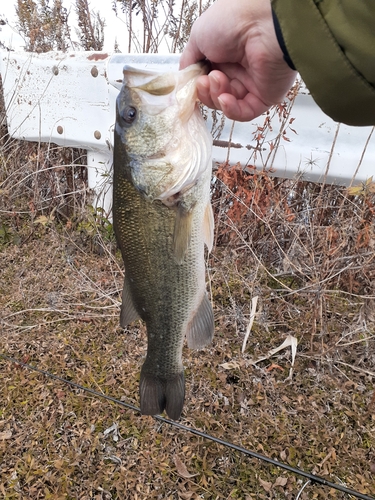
280	39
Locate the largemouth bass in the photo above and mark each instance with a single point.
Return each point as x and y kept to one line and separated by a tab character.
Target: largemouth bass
162	218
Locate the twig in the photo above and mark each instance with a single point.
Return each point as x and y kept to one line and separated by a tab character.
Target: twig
247	245
362	156
342	373
330	157
37	310
254	302
355	368
230	140
291	292
355	341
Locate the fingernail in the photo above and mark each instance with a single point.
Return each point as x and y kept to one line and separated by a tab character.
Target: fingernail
203	87
215	84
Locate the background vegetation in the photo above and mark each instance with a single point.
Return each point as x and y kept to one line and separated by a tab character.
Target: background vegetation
306	252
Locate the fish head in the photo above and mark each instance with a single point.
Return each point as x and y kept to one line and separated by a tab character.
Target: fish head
162	131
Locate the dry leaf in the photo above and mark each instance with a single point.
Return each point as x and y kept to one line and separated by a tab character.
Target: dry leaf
266	485
367	187
181	468
331	454
231	365
113	429
355	190
186	495
5	435
273	367
42	219
291	342
281	481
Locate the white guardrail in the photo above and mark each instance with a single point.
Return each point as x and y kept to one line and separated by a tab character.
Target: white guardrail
69	99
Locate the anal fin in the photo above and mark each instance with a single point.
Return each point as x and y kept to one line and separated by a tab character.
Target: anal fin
128	312
201	327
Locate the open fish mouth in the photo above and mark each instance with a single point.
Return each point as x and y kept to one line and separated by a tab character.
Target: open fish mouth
170	156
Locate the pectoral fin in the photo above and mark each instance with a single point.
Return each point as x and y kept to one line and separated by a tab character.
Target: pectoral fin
208	227
201	328
128	312
182	232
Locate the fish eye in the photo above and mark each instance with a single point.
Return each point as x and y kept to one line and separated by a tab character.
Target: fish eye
129	114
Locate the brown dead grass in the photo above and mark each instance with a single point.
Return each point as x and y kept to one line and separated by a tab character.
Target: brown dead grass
60	291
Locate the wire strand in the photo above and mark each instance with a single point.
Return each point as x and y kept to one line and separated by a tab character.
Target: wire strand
301	490
311	477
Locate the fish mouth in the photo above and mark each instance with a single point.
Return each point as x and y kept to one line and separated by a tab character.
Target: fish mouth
156	91
158	83
164	166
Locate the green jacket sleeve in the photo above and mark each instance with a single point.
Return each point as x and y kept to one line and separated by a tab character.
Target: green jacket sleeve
332	45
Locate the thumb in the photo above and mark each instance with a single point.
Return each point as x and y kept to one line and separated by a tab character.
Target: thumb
191	54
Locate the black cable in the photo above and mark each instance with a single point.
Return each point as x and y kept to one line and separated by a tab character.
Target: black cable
312	477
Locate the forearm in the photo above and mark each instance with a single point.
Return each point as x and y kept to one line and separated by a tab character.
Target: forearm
332	45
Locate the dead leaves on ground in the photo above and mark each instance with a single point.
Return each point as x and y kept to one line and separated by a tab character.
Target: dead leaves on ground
61	305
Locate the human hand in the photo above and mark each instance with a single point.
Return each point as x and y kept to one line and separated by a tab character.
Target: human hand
249	73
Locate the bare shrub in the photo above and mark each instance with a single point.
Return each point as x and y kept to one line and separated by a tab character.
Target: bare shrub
44	178
164	23
43	27
91	26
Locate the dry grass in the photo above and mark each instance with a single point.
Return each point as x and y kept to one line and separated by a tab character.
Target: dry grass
60	306
60	290
305	251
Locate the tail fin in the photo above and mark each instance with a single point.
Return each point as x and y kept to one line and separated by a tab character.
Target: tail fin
158	395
